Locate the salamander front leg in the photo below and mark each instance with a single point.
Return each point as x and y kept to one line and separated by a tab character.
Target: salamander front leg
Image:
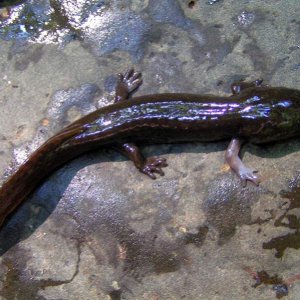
238	86
235	163
127	83
148	166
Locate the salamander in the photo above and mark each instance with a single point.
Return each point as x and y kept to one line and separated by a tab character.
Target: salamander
254	113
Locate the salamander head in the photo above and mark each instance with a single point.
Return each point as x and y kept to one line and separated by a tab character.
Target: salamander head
273	113
285	113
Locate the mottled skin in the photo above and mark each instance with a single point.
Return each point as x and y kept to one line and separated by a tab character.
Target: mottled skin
254	113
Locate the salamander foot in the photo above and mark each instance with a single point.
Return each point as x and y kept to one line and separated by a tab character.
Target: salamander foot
127	84
154	165
247	174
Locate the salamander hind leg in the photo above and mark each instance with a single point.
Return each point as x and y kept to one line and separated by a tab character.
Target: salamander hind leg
127	84
235	163
148	166
238	86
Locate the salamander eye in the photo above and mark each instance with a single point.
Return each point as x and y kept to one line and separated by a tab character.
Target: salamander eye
236	89
258	82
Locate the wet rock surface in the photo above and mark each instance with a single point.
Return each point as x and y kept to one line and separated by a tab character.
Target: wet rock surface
99	229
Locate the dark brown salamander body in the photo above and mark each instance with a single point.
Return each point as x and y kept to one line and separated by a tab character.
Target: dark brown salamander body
254	113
